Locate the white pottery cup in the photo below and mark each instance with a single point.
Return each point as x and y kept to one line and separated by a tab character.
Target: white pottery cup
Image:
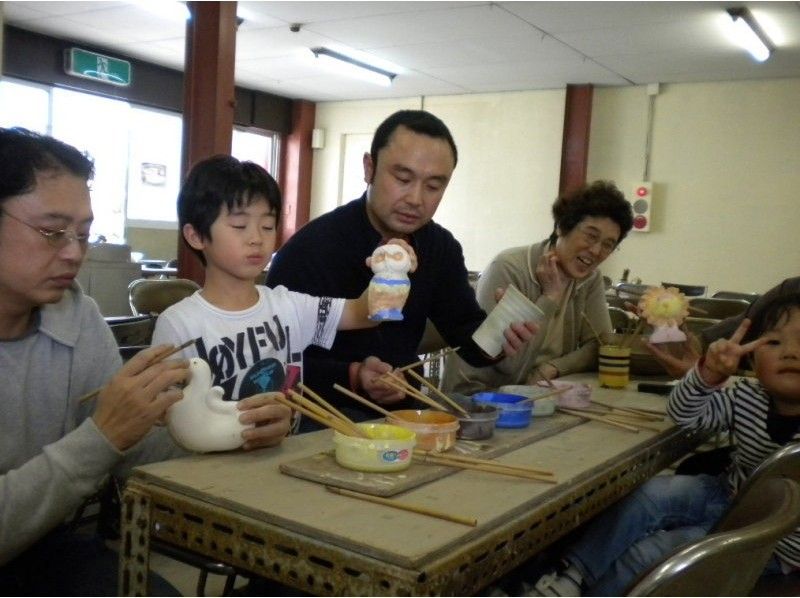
513	307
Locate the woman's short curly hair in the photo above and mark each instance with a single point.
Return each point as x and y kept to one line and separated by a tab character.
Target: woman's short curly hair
600	199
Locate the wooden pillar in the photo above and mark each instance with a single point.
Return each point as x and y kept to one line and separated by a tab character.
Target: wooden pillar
575	144
208	104
296	165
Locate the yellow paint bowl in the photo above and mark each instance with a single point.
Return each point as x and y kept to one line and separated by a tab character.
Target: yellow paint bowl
435	430
388	448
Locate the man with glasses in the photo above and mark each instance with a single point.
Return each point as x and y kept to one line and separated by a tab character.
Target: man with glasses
57	450
561	276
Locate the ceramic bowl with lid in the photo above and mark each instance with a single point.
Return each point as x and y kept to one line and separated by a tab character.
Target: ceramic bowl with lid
541	407
435	430
515	410
481	421
388	448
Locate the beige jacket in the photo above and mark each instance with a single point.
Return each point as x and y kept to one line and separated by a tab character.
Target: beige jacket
517	266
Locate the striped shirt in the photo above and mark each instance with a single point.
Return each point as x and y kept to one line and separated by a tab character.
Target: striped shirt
741	408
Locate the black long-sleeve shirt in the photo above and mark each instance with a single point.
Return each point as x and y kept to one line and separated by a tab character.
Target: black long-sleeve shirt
327	258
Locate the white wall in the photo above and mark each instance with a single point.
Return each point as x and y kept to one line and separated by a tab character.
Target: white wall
726	171
509	149
725	165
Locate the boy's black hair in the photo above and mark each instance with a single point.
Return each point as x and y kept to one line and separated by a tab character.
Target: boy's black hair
600	199
770	314
223	180
24	154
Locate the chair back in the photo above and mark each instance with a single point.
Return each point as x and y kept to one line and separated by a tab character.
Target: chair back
730	561
690	290
784	463
630	291
717	308
749	297
697	325
620	319
151	296
132	330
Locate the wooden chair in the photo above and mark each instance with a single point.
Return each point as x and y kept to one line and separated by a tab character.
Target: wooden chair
749	297
717	308
729	561
151	296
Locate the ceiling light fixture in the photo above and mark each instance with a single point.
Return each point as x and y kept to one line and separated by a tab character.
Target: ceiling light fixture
355	68
750	35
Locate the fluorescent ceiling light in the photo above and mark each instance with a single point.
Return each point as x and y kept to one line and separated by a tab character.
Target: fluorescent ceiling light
352	67
749	35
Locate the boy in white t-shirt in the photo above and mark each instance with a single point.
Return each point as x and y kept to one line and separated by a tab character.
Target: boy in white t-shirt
248	333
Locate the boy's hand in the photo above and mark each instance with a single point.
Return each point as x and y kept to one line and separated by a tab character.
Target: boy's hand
723	355
272	420
138	396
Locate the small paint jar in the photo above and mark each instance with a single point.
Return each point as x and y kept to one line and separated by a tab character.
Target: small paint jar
435	430
513	412
481	421
541	407
388	448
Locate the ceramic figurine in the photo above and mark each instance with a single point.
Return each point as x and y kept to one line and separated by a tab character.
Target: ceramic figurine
389	286
202	421
665	310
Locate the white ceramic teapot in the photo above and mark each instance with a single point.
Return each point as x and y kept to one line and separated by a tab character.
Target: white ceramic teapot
202	421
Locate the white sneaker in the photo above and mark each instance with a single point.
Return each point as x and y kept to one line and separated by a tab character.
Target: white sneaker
553	584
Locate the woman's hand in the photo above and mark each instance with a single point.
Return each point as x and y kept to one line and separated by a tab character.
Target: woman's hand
550	277
272	420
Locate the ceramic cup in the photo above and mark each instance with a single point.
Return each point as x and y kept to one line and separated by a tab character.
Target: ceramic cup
513	307
614	366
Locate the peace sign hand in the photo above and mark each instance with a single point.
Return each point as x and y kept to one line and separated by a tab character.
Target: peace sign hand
723	355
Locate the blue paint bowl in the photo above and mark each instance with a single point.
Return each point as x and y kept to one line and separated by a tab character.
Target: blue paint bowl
512	414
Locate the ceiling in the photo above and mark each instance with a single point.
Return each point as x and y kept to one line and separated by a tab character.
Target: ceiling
440	48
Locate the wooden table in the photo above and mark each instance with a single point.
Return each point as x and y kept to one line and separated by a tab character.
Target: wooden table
240	509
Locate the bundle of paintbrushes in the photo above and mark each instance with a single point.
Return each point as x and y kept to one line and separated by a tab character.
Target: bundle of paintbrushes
320	411
397	382
632	419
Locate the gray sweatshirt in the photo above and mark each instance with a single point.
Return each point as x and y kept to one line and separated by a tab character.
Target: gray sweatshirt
52	455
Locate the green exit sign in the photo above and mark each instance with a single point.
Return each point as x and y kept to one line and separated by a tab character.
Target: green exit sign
98	67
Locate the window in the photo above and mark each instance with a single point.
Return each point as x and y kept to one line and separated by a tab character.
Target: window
154	168
24	105
136	151
259	147
100	127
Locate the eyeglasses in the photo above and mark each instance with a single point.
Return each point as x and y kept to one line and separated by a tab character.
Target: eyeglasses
592	237
57	239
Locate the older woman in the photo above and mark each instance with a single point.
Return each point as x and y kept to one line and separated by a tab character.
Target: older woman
560	275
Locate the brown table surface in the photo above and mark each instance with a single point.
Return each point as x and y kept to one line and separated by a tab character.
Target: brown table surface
239	508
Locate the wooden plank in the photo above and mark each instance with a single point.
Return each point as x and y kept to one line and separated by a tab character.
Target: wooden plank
322	468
